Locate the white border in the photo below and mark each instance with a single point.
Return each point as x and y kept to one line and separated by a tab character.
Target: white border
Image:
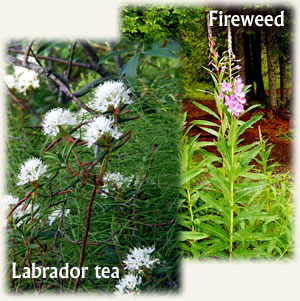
100	19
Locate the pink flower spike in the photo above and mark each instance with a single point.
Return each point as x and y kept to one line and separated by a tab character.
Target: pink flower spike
221	96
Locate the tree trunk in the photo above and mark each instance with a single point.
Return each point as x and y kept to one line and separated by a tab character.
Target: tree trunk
248	64
240	52
256	56
283	94
271	70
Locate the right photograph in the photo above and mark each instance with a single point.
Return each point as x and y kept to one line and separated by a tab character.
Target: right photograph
237	146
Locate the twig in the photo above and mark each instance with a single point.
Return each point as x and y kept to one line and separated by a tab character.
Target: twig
84	241
70	60
26	53
29	250
22	268
50	184
55	237
55	60
128	134
69	93
52	144
95	83
27	195
117	58
94	57
51	75
99	243
133	198
22	103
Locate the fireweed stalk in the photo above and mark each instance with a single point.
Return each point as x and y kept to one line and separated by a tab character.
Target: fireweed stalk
230	97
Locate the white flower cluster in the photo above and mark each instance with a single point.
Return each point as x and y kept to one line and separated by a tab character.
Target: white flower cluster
55	214
128	285
23	79
116	178
18	212
98	128
110	95
31	170
11	200
139	258
57	119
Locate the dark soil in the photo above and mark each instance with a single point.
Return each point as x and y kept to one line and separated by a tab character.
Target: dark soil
273	126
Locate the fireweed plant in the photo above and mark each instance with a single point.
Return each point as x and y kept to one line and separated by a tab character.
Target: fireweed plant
87	192
233	210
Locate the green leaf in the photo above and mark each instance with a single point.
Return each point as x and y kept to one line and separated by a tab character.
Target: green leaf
69	150
248	124
205	143
255	213
245	189
161	52
211	200
131	69
219	180
190	174
186	235
112	54
211	131
46	46
206	109
205	122
249	155
214	230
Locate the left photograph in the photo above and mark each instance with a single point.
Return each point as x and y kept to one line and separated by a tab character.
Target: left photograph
92	166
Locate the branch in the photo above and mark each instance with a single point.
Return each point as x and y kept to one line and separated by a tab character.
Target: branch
84	241
117	58
70	60
90	51
54	59
47	73
22	103
25	58
27	195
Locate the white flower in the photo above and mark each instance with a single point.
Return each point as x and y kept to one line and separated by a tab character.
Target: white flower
127	285
23	78
56	119
98	128
111	94
10	200
10	81
138	258
55	214
18	212
31	170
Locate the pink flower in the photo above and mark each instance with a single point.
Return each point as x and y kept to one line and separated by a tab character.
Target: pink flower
238	82
221	96
226	87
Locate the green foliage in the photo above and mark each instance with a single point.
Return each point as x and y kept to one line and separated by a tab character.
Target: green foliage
231	209
154	23
155	134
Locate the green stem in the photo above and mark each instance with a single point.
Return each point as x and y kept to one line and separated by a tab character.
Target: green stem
231	187
190	209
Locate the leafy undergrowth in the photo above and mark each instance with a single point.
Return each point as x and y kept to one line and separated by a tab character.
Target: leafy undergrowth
140	213
263	212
